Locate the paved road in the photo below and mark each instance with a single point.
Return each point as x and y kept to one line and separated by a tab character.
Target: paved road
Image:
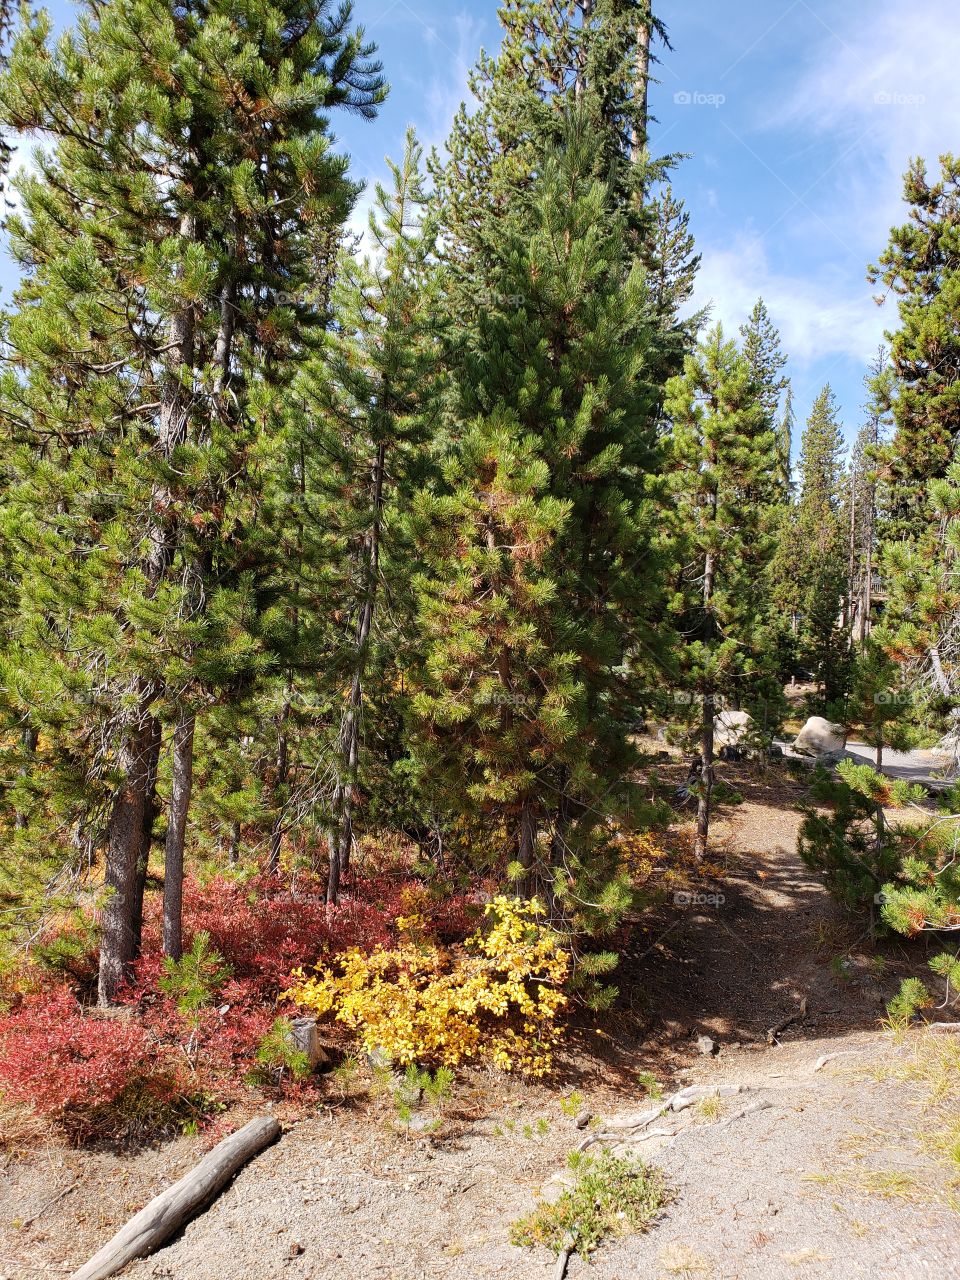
924	767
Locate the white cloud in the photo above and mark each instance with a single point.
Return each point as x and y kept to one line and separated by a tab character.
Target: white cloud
883	85
819	315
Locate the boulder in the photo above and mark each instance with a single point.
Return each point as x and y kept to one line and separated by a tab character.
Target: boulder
821	739
732	729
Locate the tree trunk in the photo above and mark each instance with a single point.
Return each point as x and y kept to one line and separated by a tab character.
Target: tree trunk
176	836
29	739
233	850
527	849
171	1210
341	827
149	819
125	832
184	733
125	827
707	726
706	777
279	792
580	84
638	135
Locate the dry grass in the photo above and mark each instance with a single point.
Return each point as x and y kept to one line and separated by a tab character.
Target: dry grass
710	1109
928	1071
890	1184
679	1259
21	1129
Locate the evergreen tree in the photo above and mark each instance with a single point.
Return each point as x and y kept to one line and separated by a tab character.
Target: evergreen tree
921	267
723	476
540	587
764	354
811	569
861	509
167	241
375	388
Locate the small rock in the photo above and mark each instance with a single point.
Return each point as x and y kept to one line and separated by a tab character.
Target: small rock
706	1046
583	1119
296	1249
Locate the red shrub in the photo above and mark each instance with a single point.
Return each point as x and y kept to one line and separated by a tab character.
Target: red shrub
58	1059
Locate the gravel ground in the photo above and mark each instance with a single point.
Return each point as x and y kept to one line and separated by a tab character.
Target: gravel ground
771	1194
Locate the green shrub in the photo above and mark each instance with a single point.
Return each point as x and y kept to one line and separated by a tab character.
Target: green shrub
612	1196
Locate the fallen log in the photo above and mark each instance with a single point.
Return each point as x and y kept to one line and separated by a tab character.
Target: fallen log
174	1208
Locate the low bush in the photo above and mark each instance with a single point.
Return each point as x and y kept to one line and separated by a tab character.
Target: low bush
92	1075
612	1196
495	999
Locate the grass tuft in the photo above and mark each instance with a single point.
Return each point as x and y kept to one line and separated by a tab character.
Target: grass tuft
612	1196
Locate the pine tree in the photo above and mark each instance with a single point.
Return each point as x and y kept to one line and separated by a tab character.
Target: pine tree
723	476
375	389
921	622
861	509
596	54
811	569
921	267
764	353
167	240
540	586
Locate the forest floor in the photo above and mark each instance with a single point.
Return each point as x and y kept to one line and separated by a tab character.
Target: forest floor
830	1173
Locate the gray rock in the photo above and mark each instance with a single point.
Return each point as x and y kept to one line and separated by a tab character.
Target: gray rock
733	729
821	739
706	1046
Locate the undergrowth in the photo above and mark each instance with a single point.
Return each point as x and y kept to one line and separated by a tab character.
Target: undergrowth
612	1196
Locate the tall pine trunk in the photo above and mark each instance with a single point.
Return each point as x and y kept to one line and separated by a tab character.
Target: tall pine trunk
181	790
125	827
341	827
29	739
707	724
124	845
185	731
706	776
149	820
281	775
638	135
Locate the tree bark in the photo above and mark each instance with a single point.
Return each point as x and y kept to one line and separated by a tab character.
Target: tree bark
639	133
181	792
149	819
341	829
527	848
125	827
125	834
706	777
707	725
29	739
279	789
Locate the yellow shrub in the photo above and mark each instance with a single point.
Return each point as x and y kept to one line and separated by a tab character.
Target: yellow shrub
496	999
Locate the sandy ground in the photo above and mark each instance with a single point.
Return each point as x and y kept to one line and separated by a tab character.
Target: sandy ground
776	1192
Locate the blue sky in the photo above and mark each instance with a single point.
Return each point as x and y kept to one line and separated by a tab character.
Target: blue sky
798	118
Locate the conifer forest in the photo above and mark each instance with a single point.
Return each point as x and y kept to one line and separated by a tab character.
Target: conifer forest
479	713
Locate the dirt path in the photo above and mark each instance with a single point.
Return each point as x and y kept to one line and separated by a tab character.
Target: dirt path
776	1192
